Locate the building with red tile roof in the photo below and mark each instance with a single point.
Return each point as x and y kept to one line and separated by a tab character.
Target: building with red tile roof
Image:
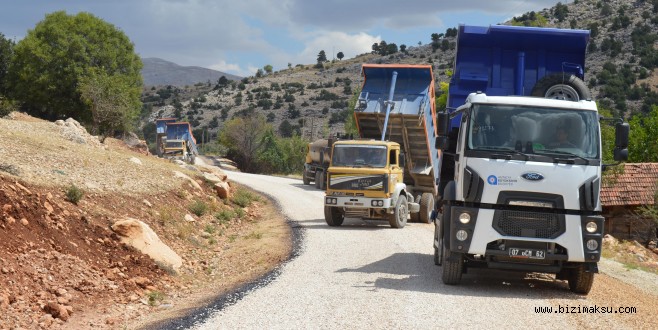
634	187
623	193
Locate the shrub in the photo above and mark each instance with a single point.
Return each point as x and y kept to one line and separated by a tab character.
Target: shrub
198	207
224	215
155	297
74	194
244	198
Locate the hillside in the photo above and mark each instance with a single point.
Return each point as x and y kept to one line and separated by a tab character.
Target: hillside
157	72
78	218
621	62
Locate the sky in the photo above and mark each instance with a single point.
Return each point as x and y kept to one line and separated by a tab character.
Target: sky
240	36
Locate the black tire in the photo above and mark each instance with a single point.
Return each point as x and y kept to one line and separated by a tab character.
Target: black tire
158	146
323	180
438	241
317	179
305	178
452	270
580	281
426	207
414	217
399	217
561	86
333	216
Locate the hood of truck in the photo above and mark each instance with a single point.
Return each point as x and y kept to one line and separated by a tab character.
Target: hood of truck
530	181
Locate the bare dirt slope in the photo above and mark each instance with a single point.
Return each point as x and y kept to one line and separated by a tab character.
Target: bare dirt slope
62	266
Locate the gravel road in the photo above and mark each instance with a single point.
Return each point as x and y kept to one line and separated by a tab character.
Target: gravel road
366	275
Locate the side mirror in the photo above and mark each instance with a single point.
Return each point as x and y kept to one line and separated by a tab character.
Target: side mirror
621	135
442	142
620	154
402	162
443	123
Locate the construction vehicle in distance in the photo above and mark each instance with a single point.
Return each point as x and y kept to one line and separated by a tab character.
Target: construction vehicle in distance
317	162
522	154
161	133
390	173
175	140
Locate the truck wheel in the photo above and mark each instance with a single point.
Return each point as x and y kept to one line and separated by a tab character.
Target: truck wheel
305	179
452	269
317	179
426	207
323	180
399	217
158	146
438	242
562	87
580	281
333	216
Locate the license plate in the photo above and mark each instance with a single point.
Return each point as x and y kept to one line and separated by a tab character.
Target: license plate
527	253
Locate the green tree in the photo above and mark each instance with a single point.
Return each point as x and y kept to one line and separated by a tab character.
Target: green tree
114	104
61	51
560	11
322	57
268	68
340	56
6	53
223	81
643	136
375	48
285	128
403	48
243	138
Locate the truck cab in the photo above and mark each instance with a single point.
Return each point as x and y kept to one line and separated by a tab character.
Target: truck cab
175	148
365	180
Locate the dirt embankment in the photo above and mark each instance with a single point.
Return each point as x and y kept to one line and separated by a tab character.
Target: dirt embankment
62	265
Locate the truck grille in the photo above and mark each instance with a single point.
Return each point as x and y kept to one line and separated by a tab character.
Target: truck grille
376	182
528	224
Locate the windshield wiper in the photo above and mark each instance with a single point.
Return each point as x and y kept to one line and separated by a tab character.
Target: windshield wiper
566	153
507	152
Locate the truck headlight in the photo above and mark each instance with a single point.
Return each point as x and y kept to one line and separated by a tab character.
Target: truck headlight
592	244
377	203
591	227
331	201
464	218
462	235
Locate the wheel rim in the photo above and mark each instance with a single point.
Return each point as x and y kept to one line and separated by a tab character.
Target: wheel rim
562	92
402	215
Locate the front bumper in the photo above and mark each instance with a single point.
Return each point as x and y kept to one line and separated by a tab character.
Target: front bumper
484	236
357	201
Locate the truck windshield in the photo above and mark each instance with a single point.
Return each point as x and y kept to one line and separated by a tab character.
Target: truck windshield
534	130
174	144
359	156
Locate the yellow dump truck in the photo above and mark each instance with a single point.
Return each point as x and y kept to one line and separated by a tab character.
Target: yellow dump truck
370	178
366	181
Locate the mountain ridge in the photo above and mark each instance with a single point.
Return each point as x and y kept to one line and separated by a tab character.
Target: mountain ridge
159	72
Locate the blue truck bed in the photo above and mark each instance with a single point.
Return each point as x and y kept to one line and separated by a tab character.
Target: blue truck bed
504	60
411	121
